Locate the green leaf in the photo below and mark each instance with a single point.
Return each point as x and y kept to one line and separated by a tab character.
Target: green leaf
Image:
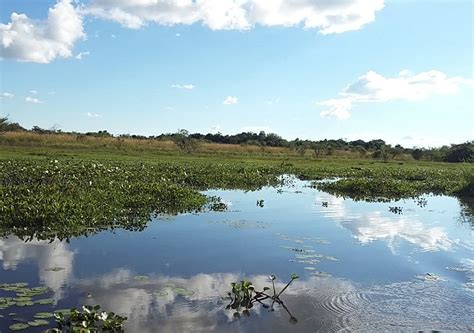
18	326
38	322
45	301
43	315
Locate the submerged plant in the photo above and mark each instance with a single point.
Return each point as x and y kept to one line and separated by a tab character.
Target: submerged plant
243	297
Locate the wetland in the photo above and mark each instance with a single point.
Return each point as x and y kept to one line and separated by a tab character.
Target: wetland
160	243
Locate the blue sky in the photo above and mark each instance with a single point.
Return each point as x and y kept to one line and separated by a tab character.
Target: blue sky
397	70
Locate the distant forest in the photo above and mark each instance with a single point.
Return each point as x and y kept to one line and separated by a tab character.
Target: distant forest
189	141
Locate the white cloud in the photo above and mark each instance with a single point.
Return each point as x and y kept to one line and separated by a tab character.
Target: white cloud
373	87
374	226
34	92
33	100
29	40
81	55
327	16
6	95
178	34
183	86
273	101
92	115
14	251
230	100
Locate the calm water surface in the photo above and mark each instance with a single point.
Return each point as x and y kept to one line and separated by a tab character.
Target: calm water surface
361	267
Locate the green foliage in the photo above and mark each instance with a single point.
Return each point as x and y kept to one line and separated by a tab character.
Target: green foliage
90	319
62	198
461	153
70	196
243	296
417	154
184	142
397	183
7	126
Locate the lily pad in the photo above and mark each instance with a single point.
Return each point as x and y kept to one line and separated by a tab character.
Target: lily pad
321	274
18	326
183	291
27	303
38	322
23	299
45	301
14	285
63	311
55	269
141	277
43	315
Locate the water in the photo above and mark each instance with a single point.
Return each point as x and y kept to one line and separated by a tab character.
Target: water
361	267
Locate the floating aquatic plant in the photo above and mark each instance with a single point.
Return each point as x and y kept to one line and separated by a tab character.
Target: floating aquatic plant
44	315
38	322
18	326
244	297
90	319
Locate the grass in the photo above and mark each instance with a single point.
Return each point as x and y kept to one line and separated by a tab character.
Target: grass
49	191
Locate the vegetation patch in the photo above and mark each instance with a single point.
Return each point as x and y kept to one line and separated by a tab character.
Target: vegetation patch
65	196
89	319
243	297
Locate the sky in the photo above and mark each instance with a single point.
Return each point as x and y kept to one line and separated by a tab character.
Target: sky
399	70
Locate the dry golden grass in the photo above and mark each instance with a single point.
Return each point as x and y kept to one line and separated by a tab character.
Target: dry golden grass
83	141
131	145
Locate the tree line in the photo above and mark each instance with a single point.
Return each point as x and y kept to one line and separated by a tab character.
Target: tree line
188	142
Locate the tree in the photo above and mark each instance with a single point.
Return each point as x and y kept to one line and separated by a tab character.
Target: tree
3	124
184	141
7	126
417	154
461	153
381	154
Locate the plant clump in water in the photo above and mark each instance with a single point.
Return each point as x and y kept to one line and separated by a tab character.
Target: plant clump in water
244	297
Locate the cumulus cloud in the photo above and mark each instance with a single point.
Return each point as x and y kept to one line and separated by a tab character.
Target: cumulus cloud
373	87
183	86
14	251
81	55
327	16
33	100
29	40
230	100
6	95
35	92
92	115
375	226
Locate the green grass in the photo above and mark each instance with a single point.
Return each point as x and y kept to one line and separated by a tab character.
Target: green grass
56	192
